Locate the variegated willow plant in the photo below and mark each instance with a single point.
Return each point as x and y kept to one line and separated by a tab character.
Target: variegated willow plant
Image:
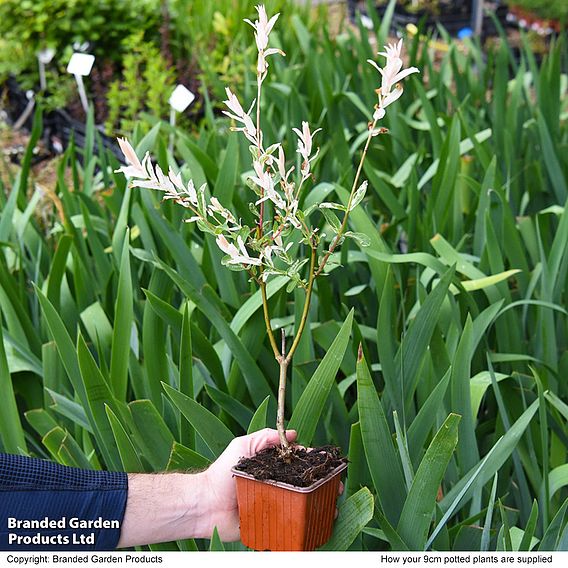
272	246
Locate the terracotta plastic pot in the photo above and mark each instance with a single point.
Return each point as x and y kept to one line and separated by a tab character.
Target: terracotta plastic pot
278	516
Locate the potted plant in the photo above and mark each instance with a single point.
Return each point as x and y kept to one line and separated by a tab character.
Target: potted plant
278	484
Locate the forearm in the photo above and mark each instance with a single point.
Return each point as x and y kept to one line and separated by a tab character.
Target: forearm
165	507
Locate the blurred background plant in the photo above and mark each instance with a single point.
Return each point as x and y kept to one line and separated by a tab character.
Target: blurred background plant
153	43
145	85
546	9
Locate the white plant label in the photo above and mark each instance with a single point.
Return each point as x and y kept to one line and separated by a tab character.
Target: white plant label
181	98
46	55
81	64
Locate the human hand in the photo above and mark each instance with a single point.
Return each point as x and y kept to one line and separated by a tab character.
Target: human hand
220	486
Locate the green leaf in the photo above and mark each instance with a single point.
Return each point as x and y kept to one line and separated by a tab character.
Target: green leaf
360	238
420	503
249	308
549	542
184	459
460	394
464	147
214	433
354	514
65	346
554	167
416	341
492	462
485	282
70	409
98	326
122	328
382	459
58	269
41	421
309	408
152	435
478	386
128	455
331	218
486	535
149	140
64	449
11	431
258	421
457	499
216	545
187	434
424	421
98	396
359	195
393	537
527	542
256	382
232	406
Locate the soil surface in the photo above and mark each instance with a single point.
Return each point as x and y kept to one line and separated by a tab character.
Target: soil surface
301	468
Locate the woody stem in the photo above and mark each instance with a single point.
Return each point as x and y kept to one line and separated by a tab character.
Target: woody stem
267	320
284	359
283	362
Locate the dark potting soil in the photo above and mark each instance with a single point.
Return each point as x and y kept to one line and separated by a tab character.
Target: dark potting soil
301	468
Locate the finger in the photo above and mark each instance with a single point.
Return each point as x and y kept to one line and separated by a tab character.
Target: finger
336	513
341	488
268	437
291	435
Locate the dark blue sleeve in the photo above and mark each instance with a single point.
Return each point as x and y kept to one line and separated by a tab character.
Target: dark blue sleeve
45	493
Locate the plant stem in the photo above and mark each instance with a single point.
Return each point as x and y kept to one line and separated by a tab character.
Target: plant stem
281	357
337	238
267	320
283	362
306	309
259	146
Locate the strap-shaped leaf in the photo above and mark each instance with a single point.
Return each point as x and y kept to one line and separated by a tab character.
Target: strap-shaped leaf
65	449
128	455
551	538
122	326
216	544
182	458
528	540
492	462
421	501
11	432
424	420
232	406
152	436
416	341
98	395
309	408
384	463
354	514
258	421
64	344
214	433
187	434
256	382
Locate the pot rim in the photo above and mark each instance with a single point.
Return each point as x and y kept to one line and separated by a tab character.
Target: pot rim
289	486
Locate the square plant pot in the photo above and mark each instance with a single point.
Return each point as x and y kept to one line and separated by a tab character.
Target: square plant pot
277	516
